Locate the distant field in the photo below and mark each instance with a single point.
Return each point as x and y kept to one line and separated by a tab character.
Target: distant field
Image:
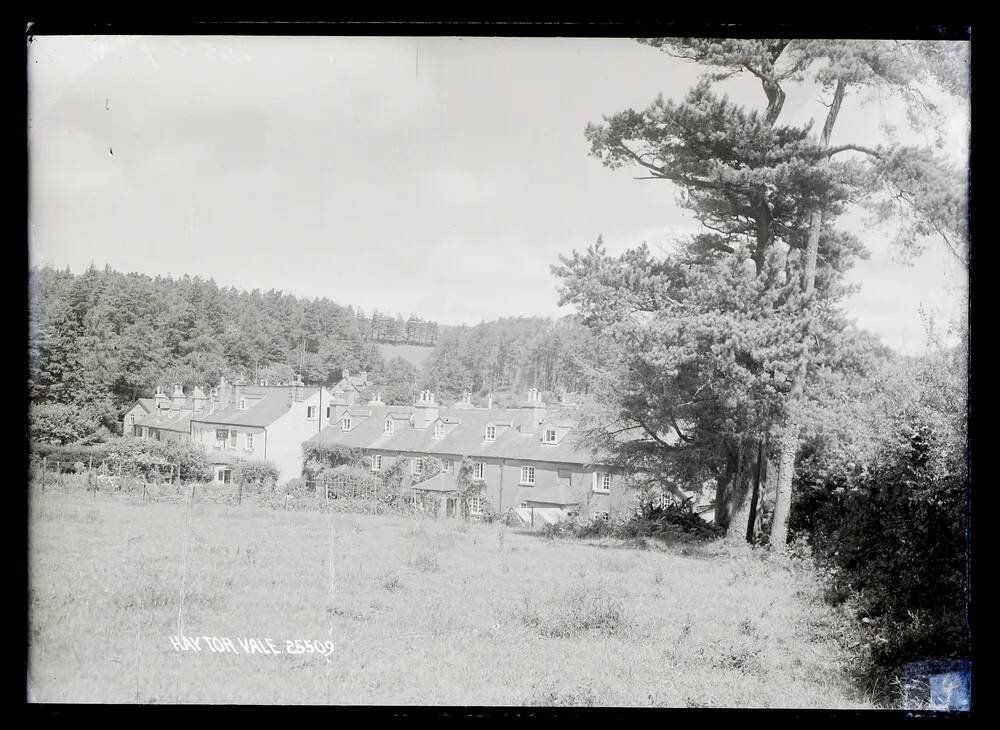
415	354
420	612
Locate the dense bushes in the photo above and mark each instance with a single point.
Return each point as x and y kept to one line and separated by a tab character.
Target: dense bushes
255	472
69	454
152	459
896	537
318	459
668	521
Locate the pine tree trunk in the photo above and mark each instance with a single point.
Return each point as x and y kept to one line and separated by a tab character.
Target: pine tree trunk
755	498
787	447
723	495
789	443
741	505
742	527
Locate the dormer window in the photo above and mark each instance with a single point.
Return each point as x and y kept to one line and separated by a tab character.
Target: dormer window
550	435
328	412
491	433
243	404
388	425
439	430
310	411
417	466
346	424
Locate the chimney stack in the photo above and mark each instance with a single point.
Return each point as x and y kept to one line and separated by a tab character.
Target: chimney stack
198	398
160	399
238	387
177	401
426	410
296	390
224	392
532	411
489	401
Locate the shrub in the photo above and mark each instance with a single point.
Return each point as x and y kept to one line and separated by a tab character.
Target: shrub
895	539
572	611
328	456
70	454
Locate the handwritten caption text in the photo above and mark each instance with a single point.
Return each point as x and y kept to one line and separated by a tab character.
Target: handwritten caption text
244	645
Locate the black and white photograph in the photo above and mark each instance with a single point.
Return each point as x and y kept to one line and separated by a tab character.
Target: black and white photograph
499	366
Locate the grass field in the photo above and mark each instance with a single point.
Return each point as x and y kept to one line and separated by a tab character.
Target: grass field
420	612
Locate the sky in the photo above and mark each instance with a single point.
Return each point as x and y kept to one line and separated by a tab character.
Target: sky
435	176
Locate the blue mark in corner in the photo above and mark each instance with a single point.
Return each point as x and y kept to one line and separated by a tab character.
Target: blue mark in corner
950	691
944	686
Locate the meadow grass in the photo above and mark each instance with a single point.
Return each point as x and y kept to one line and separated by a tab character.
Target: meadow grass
419	612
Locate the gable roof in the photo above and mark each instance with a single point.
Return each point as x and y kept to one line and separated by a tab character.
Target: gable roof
148	404
266	405
166	420
467	438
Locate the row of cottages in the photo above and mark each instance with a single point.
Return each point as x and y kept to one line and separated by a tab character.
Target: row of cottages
525	458
243	422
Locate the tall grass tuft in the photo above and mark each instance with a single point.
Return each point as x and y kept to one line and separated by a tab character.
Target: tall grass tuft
569	612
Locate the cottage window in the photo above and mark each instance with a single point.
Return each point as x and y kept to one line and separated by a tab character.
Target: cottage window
446	465
417	466
601	515
243	404
438	430
602	482
310	411
476	506
528	475
346	424
249	442
328	412
524	504
491	433
550	436
388	425
232	439
376	462
479	470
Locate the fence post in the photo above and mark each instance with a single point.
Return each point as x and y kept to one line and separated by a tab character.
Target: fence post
44	469
192	493
239	494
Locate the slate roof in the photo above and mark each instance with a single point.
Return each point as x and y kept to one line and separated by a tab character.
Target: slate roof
167	420
148	404
265	406
468	438
440	482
